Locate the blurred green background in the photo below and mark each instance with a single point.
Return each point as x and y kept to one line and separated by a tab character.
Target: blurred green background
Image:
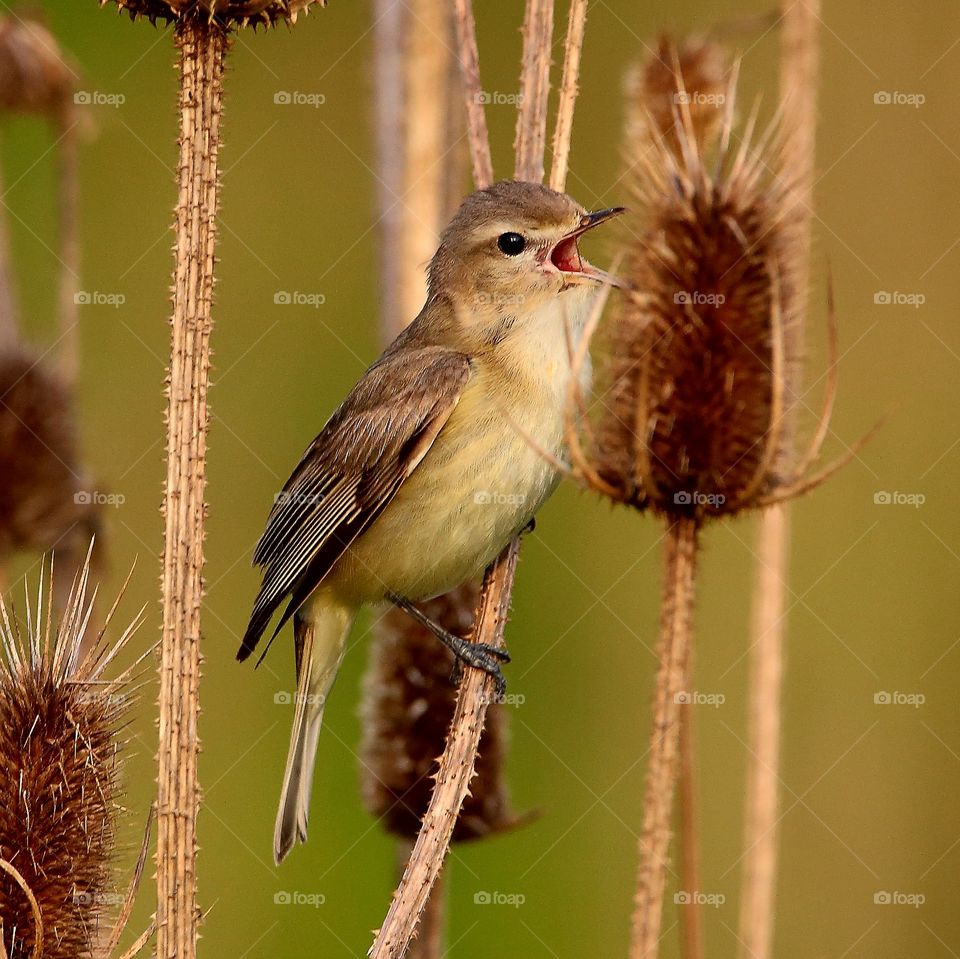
869	794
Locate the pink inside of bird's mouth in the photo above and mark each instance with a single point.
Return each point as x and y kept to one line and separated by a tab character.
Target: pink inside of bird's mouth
566	257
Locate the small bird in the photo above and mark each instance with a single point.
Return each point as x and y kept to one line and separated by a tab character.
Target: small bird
434	461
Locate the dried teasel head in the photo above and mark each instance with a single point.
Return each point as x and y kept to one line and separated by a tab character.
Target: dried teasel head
43	497
702	350
693	74
227	12
60	716
35	75
408	704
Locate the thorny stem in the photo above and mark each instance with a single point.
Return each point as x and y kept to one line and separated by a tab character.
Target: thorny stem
68	197
477	134
691	916
202	47
455	771
531	134
663	758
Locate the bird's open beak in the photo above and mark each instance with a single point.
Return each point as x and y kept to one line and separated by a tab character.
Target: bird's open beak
565	256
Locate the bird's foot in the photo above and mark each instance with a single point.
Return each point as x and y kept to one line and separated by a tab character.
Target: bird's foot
478	655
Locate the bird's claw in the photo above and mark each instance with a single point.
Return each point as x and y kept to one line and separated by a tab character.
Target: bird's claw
485	657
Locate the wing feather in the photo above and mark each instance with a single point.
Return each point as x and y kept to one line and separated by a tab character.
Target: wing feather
351	472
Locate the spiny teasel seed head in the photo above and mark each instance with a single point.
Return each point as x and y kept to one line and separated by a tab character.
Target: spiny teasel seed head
408	704
702	350
693	74
233	13
35	75
43	496
59	762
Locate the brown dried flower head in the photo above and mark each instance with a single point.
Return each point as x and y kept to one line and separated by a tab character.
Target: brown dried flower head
42	493
59	801
227	12
408	704
694	74
35	75
702	350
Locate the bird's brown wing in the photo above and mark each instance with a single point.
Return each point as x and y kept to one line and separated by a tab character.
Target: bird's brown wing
350	472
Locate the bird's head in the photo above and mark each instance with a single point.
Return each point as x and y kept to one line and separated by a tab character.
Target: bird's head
513	247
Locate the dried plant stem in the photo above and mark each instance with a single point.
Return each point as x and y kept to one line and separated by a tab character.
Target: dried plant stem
663	759
9	312
477	134
569	88
766	672
454	773
691	916
431	932
531	135
202	47
68	202
798	91
456	766
388	28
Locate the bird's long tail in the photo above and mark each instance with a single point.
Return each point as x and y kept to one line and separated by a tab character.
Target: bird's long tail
320	632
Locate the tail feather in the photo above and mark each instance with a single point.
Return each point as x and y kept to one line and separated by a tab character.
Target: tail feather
320	631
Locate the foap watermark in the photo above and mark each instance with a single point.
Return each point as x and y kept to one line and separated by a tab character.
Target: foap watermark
697	898
298	498
298	98
97	298
696	498
693	697
98	898
98	98
285	698
896	497
503	699
298	298
698	298
484	898
700	98
897	698
95	497
499	299
897	98
896	898
486	497
296	898
898	298
497	98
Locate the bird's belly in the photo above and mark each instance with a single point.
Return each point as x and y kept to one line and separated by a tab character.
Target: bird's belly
479	485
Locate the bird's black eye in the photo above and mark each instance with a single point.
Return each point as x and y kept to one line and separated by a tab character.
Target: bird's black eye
511	243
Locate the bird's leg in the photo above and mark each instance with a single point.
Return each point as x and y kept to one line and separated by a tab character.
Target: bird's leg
479	655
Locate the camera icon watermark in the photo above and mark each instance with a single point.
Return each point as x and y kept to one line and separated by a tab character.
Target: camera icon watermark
695	897
696	498
95	497
896	898
297	98
97	98
898	298
298	298
96	298
897	698
696	698
497	98
700	98
484	898
486	497
884	497
896	98
296	898
284	697
697	298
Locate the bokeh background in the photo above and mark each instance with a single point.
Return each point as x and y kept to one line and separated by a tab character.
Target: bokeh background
870	787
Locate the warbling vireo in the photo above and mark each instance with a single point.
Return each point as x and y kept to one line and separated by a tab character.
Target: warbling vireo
427	470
